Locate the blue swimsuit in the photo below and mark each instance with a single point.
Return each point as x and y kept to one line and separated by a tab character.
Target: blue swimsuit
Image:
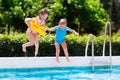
60	34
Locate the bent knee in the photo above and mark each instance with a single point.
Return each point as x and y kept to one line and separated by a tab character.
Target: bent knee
32	43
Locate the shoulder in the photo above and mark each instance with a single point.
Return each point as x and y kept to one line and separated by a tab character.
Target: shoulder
68	29
57	27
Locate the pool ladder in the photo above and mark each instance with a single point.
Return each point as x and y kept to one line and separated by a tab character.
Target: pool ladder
93	61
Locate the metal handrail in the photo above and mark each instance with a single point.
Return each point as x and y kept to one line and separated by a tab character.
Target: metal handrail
108	25
89	36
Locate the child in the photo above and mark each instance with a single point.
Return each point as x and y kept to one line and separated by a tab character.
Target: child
33	35
59	38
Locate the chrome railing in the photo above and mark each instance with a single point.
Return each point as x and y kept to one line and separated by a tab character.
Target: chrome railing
89	36
108	25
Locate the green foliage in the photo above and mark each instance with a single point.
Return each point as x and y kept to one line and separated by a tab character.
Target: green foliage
93	16
113	9
89	13
14	12
11	45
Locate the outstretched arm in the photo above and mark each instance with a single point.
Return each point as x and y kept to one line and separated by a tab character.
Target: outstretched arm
50	29
74	32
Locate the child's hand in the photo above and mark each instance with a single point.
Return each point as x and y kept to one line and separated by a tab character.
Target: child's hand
47	28
74	32
77	34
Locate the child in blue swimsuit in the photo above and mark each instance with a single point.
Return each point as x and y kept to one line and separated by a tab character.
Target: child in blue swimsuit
61	30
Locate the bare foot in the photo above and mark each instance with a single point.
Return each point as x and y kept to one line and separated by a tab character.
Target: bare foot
68	60
58	63
35	54
24	48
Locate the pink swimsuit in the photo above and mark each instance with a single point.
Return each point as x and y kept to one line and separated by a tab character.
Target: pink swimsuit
32	32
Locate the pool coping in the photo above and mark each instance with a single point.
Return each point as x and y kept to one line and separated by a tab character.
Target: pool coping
32	62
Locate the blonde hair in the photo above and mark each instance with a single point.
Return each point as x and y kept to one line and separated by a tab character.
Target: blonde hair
62	21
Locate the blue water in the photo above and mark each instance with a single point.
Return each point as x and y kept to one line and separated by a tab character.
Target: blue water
61	73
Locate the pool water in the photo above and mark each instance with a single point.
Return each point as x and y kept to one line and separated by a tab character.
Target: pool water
61	73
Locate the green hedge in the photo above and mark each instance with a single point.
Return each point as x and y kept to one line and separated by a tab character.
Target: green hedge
11	45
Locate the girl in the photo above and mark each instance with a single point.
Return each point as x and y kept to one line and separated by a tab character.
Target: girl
33	35
61	30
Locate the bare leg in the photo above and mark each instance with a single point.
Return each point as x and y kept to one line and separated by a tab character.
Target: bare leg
64	46
30	43
32	37
36	44
57	46
26	45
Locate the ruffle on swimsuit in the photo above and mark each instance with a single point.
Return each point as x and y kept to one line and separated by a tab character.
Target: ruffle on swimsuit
36	27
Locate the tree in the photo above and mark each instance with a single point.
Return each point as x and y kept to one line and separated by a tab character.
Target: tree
15	11
113	9
89	13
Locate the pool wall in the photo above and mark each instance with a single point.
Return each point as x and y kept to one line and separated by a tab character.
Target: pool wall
32	62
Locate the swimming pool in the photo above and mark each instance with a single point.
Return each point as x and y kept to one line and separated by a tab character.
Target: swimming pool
61	73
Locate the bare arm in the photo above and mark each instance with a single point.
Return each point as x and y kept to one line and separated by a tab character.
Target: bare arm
51	29
27	21
74	32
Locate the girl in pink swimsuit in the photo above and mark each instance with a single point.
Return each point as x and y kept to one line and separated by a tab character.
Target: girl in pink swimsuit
33	36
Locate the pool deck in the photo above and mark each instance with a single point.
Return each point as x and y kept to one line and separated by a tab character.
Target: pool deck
32	62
